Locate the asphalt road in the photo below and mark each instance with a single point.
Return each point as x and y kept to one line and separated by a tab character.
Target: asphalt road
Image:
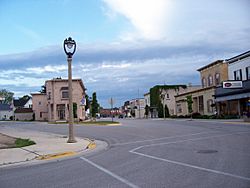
145	153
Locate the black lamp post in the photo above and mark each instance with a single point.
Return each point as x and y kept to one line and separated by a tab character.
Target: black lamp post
69	46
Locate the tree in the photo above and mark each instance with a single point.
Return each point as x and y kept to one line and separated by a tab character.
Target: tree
87	102
190	104
26	97
94	106
7	95
43	89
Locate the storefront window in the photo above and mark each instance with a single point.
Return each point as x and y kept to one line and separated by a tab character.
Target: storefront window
248	73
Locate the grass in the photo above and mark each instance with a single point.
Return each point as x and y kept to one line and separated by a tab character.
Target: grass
23	142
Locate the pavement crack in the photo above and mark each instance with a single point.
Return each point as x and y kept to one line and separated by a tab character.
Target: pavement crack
31	151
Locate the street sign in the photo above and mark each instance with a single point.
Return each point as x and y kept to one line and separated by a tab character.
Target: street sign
232	84
83	102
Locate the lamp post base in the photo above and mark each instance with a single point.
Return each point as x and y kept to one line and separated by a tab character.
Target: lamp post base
71	140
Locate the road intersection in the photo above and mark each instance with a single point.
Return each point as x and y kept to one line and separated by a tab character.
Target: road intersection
146	153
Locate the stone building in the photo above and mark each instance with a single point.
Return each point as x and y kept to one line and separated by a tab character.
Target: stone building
54	104
211	75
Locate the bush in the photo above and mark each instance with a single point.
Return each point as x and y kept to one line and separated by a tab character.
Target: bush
196	115
23	142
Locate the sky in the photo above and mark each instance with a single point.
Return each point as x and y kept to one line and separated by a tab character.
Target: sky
124	47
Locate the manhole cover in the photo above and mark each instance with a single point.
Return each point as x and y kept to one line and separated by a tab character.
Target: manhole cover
207	151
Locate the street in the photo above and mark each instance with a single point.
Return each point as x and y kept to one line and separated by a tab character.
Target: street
144	153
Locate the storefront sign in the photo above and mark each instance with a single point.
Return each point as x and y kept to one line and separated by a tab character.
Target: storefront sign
232	84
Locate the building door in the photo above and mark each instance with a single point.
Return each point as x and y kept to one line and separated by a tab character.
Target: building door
61	111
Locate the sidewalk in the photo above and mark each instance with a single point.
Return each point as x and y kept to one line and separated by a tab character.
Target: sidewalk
48	146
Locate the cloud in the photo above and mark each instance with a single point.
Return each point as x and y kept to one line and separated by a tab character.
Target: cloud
150	18
115	66
114	70
47	68
182	21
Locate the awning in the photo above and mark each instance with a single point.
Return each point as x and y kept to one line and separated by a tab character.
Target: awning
233	97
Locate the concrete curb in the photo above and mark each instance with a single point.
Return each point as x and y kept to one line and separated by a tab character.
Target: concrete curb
51	156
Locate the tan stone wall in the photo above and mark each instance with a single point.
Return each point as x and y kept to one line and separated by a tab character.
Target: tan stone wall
221	68
170	100
207	95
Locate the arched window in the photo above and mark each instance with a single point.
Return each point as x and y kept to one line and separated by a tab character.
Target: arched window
217	79
210	80
203	82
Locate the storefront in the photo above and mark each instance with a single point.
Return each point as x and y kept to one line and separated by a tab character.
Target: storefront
233	101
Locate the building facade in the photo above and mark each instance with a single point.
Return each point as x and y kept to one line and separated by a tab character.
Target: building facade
54	104
135	108
211	76
235	101
23	108
6	112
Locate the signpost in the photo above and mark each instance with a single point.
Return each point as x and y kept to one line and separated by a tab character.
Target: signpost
111	102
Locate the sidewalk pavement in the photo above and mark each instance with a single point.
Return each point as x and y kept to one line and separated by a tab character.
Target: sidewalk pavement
48	146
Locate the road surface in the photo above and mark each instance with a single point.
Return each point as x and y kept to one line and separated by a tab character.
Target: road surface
145	153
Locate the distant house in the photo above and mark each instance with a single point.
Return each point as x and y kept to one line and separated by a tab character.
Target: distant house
23	108
24	114
6	112
136	108
24	102
165	95
54	104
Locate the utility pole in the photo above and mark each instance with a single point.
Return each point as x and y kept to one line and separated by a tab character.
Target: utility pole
139	105
111	101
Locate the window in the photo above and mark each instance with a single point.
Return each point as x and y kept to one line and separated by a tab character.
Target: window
217	79
49	95
201	104
210	80
203	82
167	96
65	94
39	103
248	73
179	109
209	106
41	114
238	75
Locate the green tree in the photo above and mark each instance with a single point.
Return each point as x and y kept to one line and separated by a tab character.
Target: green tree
26	97
7	95
190	104
94	106
87	102
43	89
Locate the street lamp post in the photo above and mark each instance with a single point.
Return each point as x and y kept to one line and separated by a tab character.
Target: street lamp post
69	46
